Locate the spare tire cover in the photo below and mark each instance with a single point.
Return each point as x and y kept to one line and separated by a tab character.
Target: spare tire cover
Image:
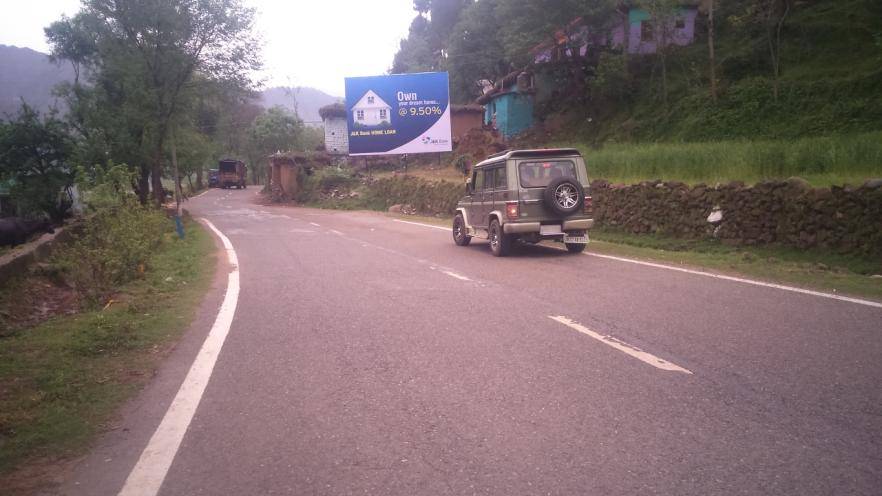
564	195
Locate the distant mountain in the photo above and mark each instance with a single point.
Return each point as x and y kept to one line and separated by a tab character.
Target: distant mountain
29	75
309	101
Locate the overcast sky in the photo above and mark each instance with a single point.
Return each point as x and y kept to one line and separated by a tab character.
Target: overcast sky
306	43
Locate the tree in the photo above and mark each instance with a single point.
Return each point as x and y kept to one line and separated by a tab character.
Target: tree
169	42
475	51
663	14
34	154
764	20
276	130
712	60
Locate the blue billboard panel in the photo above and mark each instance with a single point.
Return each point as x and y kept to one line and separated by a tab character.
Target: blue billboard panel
399	113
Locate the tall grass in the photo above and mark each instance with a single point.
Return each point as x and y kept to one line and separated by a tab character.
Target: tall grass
823	161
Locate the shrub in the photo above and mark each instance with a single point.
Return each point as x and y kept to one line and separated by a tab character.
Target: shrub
112	246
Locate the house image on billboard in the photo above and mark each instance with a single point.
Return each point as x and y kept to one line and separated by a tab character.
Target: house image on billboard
371	110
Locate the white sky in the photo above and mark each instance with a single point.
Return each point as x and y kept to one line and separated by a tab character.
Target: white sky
306	42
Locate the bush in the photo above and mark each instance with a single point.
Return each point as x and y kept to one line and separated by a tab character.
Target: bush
112	246
429	197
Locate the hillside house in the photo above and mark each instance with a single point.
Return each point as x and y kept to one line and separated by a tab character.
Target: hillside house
508	106
371	111
633	29
336	129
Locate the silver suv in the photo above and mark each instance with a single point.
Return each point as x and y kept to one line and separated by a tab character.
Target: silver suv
526	195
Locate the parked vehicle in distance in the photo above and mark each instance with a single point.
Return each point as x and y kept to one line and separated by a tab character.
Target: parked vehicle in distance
526	195
232	173
213	178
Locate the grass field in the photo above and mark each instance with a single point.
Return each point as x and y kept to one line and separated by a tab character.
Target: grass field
61	381
826	161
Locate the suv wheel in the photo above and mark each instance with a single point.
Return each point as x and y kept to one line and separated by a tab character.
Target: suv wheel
564	195
576	247
459	231
500	243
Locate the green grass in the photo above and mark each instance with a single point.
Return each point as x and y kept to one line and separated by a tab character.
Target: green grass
823	161
61	381
805	268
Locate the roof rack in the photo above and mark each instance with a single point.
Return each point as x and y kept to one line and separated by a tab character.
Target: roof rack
499	154
539	153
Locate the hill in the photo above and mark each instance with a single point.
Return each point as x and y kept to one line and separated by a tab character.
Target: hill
308	101
30	75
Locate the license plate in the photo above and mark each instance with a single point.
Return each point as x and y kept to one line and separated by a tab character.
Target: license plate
576	239
550	229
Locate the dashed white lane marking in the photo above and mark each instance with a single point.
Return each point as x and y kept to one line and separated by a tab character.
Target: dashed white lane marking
622	346
455	275
421	224
338	233
146	477
314	224
742	280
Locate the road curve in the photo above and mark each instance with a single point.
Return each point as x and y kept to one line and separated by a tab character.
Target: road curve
369	356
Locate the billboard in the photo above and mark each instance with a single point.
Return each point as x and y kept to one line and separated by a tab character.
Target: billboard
398	113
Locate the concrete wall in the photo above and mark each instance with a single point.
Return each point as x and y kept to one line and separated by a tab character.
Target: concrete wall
336	136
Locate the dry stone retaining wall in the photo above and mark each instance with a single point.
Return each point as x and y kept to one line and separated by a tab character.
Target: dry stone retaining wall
845	219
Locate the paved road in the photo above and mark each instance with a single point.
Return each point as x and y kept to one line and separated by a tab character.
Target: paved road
369	356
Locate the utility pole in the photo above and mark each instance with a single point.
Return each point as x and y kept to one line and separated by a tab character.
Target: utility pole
179	225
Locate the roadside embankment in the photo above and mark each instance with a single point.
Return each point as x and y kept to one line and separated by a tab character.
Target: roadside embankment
789	213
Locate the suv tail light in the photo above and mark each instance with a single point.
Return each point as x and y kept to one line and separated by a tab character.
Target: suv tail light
512	211
589	205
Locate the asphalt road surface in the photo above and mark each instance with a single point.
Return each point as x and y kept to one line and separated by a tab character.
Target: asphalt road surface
372	356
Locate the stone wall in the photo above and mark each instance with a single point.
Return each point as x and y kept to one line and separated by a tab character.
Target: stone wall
792	213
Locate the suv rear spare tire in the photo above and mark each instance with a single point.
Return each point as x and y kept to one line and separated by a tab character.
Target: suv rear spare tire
564	196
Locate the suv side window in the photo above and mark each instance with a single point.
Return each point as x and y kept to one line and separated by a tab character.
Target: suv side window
489	178
501	182
479	181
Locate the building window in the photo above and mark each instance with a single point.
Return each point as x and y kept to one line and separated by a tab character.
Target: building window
680	23
647	31
370	99
382	113
359	115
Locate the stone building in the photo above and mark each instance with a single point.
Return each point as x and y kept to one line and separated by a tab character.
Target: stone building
336	129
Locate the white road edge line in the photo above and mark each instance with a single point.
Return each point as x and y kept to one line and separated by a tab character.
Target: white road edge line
622	346
148	474
421	224
455	275
754	282
821	294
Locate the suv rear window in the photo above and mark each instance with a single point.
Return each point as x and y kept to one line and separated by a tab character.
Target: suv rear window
539	174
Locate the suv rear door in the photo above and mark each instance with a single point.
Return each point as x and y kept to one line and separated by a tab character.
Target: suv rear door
534	175
476	211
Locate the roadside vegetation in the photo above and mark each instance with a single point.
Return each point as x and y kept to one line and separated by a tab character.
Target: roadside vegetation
62	379
162	90
81	331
